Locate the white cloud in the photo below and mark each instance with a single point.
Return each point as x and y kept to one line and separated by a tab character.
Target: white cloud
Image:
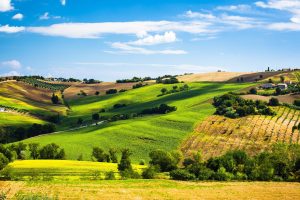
11	73
45	16
18	16
5	5
11	29
128	49
191	14
13	64
63	2
168	37
290	6
284	26
95	30
241	7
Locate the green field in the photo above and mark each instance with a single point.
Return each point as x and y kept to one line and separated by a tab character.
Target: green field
8	119
142	134
63	169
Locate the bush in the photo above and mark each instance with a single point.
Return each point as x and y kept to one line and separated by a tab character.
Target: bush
125	163
164	160
181	174
111	91
100	155
150	172
142	162
110	175
223	175
3	161
297	102
162	109
253	91
119	105
274	102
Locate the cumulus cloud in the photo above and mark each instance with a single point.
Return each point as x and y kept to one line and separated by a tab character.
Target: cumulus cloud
18	16
11	29
5	5
13	64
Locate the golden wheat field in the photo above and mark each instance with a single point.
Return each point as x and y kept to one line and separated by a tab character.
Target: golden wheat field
155	189
218	134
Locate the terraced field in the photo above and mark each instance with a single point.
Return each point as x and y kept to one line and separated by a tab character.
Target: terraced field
218	134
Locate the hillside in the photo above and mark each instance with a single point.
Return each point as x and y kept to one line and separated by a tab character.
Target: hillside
218	134
27	98
211	76
142	133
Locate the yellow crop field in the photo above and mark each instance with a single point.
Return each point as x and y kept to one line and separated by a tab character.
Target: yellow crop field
63	169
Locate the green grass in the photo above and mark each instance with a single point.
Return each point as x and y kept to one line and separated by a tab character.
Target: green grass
63	169
141	135
15	119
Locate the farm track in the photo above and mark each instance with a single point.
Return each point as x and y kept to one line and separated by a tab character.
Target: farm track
218	134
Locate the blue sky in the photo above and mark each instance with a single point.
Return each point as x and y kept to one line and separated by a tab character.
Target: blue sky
112	39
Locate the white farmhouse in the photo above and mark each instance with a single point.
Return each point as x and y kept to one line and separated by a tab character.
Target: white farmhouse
282	86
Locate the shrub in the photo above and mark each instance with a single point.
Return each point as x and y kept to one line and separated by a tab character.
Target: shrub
223	175
164	160
181	174
113	155
125	163
3	161
150	172
297	102
253	91
97	93
273	102
162	109
119	105
142	162
110	175
96	117
111	91
100	155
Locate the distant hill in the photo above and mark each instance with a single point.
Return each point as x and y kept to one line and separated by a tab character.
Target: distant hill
211	76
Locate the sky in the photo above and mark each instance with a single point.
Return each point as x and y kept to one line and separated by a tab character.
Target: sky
114	39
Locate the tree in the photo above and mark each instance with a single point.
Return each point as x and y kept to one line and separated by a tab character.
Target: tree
175	87
253	91
100	155
278	91
19	148
297	102
34	152
164	160
270	80
97	93
163	90
52	151
113	155
96	117
282	78
273	102
54	99
80	121
3	161
125	163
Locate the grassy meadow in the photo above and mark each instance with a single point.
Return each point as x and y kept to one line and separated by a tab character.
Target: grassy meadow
143	134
